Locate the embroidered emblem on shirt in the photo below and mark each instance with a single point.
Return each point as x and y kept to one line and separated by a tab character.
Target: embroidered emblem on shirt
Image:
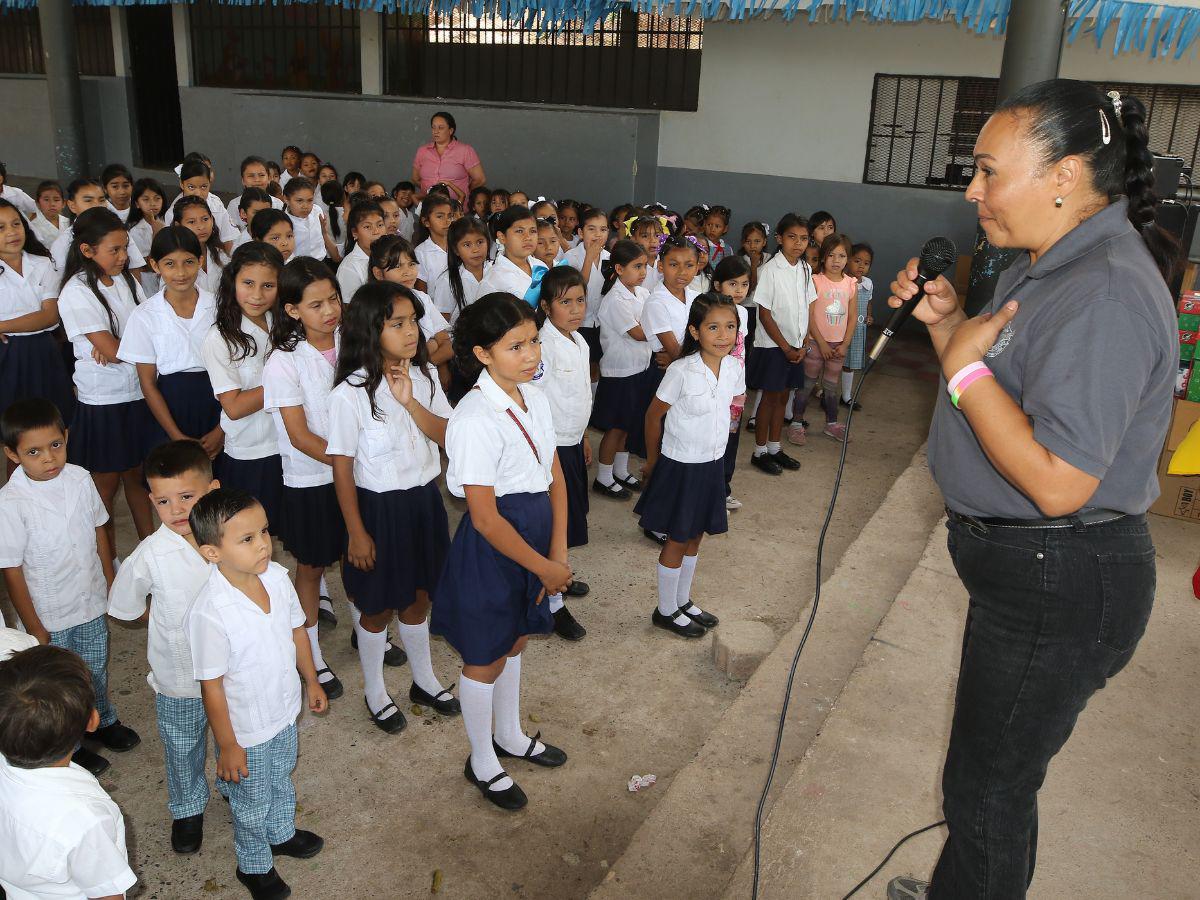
1002	342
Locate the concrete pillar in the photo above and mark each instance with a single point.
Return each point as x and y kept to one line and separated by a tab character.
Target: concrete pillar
183	44
370	37
120	38
57	23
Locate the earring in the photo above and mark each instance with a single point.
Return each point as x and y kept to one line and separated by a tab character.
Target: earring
1058	202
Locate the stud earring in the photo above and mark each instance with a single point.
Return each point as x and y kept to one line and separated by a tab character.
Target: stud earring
1058	202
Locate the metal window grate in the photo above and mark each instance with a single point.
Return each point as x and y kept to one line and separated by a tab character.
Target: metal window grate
923	128
21	41
629	60
296	46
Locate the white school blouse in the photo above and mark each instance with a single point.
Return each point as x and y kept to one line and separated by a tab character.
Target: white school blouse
81	315
122	214
47	232
166	566
61	836
62	245
443	296
251	651
310	235
252	436
566	379
663	312
623	310
432	322
697	424
48	528
353	272
406	223
431	261
594	279
390	453
653	277
486	447
235	214
208	277
506	277
304	378
224	228
24	292
155	333
786	291
18	198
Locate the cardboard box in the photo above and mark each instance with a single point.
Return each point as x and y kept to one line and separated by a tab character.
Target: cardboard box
1187	352
1189	322
1180	497
1188	337
1182	378
1189	302
1193	391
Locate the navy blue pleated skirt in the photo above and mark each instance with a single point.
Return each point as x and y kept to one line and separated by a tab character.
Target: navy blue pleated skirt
109	437
31	365
261	478
412	536
189	397
575	477
619	403
485	601
684	500
769	370
311	526
635	442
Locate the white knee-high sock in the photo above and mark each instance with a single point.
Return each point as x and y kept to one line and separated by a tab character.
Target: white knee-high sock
687	571
556	603
754	405
847	385
476	700
314	644
506	704
415	639
324	589
371	647
621	465
788	413
668	593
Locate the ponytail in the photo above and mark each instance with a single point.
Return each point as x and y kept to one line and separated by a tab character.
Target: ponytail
1139	188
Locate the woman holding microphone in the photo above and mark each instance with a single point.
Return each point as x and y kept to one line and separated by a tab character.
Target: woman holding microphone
1045	445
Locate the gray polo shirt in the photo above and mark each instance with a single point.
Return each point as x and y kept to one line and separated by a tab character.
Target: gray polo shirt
1091	357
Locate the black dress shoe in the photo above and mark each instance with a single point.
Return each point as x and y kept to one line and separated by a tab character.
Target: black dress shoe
784	461
550	757
116	737
187	834
765	463
690	630
511	798
394	656
93	762
612	491
629	483
654	537
852	404
566	627
445	702
333	687
389	723
578	589
707	619
267	886
301	845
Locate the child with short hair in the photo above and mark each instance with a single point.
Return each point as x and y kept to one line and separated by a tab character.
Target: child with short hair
716	224
168	567
246	634
56	555
49	221
118	187
61	835
405	194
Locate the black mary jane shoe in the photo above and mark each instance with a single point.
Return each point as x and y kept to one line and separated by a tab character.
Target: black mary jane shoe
93	762
301	845
577	589
614	491
566	627
630	483
654	537
267	886
765	463
784	461
116	737
511	798
333	687
691	630
551	757
326	615
708	620
187	834
445	702
388	724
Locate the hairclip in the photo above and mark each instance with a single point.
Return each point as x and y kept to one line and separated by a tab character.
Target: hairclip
766	228
1105	131
1115	97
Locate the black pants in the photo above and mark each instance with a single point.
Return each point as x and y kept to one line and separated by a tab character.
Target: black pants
1053	614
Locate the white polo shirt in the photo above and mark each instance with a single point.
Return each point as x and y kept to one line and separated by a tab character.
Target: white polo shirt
565	378
622	310
595	281
155	333
252	436
353	273
486	447
506	277
304	378
24	292
390	453
81	315
61	836
310	235
786	291
224	228
697	424
431	261
173	571
443	296
251	651
48	528
62	244
663	312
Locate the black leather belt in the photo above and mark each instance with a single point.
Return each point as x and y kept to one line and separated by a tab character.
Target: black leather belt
1081	520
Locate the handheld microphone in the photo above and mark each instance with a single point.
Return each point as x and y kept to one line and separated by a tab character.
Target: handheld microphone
936	257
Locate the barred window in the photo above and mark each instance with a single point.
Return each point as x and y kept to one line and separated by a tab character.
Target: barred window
628	60
294	46
21	41
923	128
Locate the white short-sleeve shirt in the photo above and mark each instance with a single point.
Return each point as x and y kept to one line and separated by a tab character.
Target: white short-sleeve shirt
251	651
432	322
166	566
48	528
390	453
155	333
61	836
565	378
663	312
443	295
504	276
431	261
62	245
786	291
252	436
406	223
594	278
301	377
47	232
623	310
122	214
486	447
310	235
353	273
18	198
697	424
24	292
81	315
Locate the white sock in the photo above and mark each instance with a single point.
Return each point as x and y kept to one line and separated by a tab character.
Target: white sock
355	615
668	593
787	413
604	474
371	647
847	386
476	700
415	639
760	449
506	704
687	571
324	589
773	447
754	405
556	603
621	465
314	644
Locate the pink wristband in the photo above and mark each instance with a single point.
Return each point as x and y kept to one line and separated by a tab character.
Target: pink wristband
953	384
970	379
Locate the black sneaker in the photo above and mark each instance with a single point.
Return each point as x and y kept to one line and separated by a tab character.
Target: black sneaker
267	886
566	627
784	461
765	462
116	737
93	762
187	834
301	845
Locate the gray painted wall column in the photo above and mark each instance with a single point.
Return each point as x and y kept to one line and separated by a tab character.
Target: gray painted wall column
57	23
370	39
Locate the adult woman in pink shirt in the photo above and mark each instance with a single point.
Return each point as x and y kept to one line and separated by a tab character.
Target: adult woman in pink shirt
448	160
